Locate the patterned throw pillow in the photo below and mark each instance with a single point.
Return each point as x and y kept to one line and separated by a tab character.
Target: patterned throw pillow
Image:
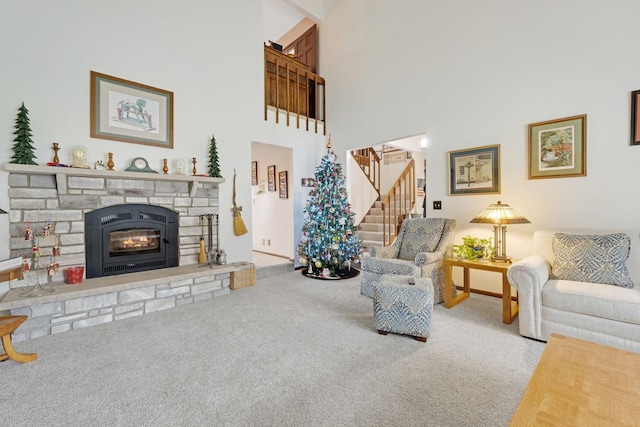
420	235
592	258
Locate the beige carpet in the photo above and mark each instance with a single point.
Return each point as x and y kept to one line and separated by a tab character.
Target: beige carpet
290	351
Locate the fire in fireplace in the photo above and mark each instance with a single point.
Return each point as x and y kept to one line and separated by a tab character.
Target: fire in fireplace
130	237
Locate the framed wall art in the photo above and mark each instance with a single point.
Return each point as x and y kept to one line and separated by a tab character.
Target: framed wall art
122	110
558	148
283	186
254	173
474	171
635	117
271	177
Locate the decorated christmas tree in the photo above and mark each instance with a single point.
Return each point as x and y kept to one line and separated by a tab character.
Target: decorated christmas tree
214	166
23	147
330	242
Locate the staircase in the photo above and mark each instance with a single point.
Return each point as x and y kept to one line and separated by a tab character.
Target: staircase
380	225
372	228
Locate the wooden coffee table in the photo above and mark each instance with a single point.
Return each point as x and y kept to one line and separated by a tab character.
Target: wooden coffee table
580	383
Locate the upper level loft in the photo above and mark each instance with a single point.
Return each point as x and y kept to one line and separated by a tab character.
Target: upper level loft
291	86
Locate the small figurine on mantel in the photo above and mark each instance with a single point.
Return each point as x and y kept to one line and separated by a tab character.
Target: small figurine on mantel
99	165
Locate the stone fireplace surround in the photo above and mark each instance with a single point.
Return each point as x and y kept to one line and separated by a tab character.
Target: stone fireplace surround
62	196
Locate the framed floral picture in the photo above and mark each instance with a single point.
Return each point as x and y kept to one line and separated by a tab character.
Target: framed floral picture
474	171
558	148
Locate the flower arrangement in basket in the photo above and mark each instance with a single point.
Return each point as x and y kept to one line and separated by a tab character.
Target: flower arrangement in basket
474	249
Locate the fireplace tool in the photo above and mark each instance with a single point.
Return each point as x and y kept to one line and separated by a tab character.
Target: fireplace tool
214	256
202	256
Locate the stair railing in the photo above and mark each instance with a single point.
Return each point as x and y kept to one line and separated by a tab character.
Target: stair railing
398	203
369	163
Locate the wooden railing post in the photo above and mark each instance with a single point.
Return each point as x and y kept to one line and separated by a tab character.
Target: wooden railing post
392	208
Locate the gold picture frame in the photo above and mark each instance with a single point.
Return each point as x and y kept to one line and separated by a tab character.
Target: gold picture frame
558	148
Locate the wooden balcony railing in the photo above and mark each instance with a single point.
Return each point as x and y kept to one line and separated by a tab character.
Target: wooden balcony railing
398	203
291	88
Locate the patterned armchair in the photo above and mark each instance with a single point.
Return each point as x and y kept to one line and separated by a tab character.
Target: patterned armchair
419	251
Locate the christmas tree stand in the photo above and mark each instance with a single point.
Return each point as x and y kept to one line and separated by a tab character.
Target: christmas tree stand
323	275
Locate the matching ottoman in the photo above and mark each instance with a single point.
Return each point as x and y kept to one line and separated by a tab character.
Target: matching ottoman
401	307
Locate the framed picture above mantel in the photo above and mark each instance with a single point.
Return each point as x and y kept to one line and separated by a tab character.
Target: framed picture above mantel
122	110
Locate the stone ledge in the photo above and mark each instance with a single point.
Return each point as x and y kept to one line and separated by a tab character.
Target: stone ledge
102	285
100	173
107	299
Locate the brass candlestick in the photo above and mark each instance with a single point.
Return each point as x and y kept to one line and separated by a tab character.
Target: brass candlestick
194	167
110	163
56	159
165	167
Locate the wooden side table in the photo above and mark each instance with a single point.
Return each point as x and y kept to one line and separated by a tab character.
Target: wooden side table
8	324
509	308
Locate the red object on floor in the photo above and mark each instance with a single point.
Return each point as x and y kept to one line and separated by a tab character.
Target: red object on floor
73	275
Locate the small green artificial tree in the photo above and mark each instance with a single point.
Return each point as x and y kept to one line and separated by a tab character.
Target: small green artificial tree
214	166
330	240
23	147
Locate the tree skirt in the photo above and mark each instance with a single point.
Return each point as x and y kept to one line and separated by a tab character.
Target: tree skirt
342	274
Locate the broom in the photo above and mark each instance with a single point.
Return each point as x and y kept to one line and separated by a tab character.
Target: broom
238	224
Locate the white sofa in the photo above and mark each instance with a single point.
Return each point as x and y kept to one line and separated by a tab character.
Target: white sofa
605	314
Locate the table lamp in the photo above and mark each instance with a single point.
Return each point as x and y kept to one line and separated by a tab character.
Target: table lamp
500	215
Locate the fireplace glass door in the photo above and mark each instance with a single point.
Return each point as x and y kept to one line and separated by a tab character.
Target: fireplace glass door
134	241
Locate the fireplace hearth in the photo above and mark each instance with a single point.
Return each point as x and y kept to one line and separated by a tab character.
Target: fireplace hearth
128	238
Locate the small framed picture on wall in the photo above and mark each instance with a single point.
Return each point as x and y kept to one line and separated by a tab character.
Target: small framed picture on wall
271	177
635	117
283	185
254	173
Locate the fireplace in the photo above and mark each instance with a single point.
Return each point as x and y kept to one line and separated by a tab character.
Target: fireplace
130	237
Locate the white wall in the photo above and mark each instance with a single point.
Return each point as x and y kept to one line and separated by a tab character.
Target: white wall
208	53
272	217
476	73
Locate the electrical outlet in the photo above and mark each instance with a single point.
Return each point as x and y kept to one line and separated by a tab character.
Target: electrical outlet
263	242
437	204
269	242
